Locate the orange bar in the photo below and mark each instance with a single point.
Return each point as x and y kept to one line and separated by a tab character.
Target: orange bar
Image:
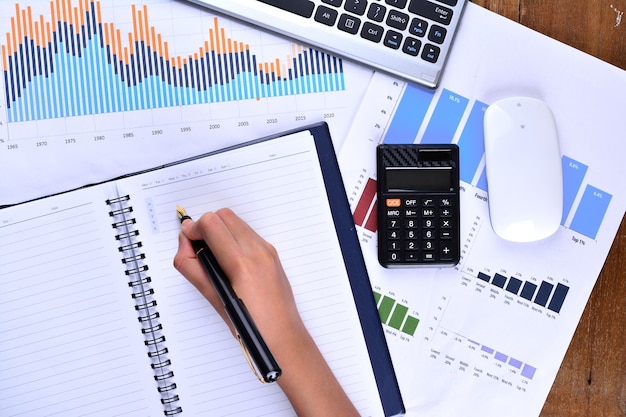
154	42
223	36
64	12
160	45
107	39
134	12
146	25
130	44
217	36
69	11
37	40
179	62
19	24
211	38
126	59
9	49
277	62
118	37
77	27
98	13
24	25
140	24
49	31
42	25
30	22
5	64
167	51
230	46
13	33
82	13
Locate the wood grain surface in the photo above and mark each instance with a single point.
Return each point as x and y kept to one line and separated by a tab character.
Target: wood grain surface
592	378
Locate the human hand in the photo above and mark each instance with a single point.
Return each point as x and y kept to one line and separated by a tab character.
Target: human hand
257	276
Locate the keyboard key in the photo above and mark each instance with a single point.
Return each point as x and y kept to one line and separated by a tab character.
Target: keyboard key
393	40
326	15
356	6
376	12
437	34
302	8
431	11
398	20
349	23
418	27
400	4
430	53
335	3
372	32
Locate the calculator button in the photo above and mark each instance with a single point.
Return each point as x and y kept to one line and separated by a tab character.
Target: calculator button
393	245
445	202
411	245
428	256
411	234
410	213
445	234
393	202
446	224
393	234
393	213
393	224
429	224
411	256
428	212
445	253
428	202
445	213
410	224
428	245
410	202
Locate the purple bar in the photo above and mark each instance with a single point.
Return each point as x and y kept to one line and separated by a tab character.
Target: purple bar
528	371
486	349
515	363
501	357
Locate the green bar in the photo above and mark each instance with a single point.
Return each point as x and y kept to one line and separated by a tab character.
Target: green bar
385	308
410	325
398	316
376	297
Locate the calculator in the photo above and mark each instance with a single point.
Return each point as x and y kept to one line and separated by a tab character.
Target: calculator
418	205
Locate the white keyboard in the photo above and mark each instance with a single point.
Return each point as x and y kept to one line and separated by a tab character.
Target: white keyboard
407	38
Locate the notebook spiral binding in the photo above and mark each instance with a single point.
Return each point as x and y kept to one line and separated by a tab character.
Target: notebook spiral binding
145	303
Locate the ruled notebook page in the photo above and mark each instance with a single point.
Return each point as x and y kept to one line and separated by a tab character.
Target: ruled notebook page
70	343
277	187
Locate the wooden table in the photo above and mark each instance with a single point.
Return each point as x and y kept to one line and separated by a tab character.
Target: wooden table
592	378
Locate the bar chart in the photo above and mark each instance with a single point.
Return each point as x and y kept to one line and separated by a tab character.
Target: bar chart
71	62
395	315
544	294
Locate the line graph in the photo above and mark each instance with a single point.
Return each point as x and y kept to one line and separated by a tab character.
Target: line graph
71	62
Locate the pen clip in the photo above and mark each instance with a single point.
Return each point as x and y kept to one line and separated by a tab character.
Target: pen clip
252	366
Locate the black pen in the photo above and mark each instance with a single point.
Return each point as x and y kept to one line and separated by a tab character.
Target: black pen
257	353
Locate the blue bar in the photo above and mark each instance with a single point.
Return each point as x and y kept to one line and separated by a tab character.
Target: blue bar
545	289
591	211
445	119
514	285
471	142
573	174
558	298
528	291
409	115
499	280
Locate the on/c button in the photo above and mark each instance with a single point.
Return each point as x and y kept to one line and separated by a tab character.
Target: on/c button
393	202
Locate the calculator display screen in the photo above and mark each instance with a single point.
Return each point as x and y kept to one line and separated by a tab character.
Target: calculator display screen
427	179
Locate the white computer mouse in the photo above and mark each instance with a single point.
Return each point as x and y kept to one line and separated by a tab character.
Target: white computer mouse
524	169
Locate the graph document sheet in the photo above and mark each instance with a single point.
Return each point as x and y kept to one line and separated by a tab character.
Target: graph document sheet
92	89
489	335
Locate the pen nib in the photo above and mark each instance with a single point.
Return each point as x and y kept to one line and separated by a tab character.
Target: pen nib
182	213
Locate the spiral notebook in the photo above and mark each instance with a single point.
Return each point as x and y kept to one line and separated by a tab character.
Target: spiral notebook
94	319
